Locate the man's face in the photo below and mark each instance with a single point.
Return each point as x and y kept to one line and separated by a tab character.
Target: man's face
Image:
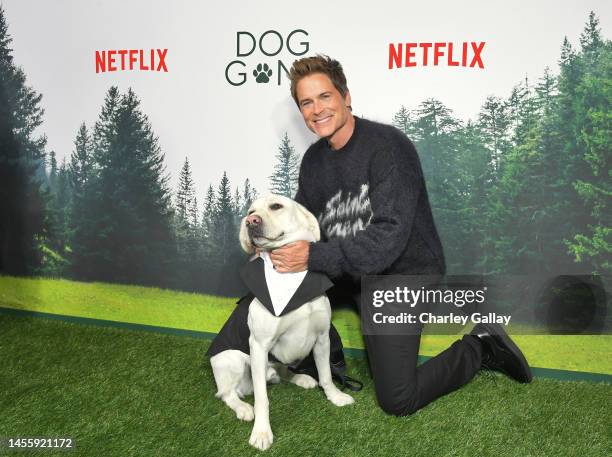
325	111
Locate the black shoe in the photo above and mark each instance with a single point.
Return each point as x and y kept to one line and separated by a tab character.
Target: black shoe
500	353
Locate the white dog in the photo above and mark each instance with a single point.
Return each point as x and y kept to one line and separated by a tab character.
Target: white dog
288	315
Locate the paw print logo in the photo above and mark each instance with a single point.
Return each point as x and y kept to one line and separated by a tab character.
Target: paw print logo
262	73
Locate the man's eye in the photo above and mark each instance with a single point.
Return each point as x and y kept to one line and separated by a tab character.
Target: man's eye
305	103
275	206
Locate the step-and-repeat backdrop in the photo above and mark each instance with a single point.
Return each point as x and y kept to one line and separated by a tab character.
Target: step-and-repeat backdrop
148	128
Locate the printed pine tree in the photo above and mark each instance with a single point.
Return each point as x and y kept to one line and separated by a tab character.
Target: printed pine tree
403	121
82	184
59	210
104	131
248	195
88	159
208	214
80	167
237	202
186	214
493	122
592	242
436	136
24	102
185	195
591	40
125	229
194	222
223	227
22	166
284	180
52	179
545	93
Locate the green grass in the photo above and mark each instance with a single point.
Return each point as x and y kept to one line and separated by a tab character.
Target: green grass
205	313
129	393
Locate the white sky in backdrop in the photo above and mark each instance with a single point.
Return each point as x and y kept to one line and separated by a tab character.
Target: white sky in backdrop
196	113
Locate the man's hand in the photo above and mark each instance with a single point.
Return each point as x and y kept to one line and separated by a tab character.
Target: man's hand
291	258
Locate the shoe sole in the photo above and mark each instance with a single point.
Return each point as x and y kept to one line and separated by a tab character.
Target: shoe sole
498	332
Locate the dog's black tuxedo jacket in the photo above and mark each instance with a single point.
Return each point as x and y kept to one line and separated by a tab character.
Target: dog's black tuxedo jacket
235	333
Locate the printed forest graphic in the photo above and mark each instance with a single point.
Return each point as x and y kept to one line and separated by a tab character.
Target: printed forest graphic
523	188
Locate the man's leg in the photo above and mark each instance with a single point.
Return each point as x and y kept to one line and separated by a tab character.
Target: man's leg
401	386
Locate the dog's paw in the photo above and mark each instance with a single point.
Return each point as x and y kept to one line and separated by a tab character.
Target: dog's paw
304	381
341	399
272	376
261	438
245	412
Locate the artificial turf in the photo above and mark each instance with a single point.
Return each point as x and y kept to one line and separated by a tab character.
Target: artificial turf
130	393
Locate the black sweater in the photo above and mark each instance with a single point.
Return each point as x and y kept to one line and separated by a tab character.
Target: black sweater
372	206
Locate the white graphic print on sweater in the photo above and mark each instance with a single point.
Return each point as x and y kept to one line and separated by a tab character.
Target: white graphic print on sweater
344	216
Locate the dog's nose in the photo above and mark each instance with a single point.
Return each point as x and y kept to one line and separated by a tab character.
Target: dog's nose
253	221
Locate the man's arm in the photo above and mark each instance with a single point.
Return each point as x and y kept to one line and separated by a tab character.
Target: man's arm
300	197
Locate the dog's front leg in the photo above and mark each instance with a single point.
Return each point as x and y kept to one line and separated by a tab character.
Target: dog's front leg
261	436
321	357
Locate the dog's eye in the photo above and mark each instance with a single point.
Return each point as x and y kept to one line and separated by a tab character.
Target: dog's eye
275	206
250	212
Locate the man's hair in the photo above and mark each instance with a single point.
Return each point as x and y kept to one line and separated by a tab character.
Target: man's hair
317	64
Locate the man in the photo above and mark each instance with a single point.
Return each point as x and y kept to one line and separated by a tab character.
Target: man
363	182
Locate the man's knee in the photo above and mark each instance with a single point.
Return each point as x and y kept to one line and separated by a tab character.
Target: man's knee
398	406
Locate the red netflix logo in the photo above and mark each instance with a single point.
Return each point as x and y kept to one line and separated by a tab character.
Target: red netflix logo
418	54
131	59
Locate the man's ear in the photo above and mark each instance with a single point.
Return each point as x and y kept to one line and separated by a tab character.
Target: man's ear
313	224
347	99
245	240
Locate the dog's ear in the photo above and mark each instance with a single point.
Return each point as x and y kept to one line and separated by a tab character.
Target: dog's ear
313	224
245	240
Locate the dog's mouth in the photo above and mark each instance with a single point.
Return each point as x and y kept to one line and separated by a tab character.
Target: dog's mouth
258	239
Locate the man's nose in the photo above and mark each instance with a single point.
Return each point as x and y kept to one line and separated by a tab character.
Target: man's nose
317	107
253	220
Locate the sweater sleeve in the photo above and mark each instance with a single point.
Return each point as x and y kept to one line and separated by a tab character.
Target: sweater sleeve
300	196
396	181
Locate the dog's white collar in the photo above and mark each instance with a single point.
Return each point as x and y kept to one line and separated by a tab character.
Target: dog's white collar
281	286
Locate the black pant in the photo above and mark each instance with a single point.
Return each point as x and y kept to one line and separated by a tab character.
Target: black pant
401	386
